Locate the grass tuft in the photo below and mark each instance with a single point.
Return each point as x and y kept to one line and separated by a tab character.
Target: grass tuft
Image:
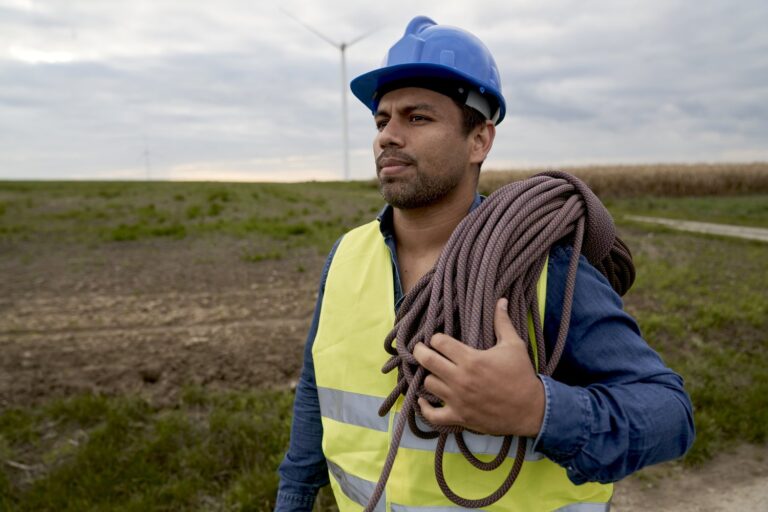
256	257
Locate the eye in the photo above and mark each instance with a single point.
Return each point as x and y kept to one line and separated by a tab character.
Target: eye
380	124
416	118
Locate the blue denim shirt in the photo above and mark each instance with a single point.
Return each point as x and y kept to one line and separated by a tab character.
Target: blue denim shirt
612	406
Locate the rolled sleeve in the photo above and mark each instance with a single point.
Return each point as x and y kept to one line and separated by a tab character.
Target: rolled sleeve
573	417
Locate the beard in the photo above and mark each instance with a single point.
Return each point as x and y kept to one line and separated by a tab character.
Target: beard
418	189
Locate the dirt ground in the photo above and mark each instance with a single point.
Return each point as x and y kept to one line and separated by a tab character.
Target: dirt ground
151	317
736	481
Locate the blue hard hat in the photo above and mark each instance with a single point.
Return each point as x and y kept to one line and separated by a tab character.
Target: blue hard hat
447	59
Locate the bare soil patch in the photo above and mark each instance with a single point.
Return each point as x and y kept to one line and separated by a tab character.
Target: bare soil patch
733	481
149	318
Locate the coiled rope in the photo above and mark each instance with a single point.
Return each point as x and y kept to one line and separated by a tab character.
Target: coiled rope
498	250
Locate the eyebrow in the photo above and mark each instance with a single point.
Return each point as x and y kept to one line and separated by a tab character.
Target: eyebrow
410	108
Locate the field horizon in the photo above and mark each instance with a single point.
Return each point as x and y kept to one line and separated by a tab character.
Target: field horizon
758	166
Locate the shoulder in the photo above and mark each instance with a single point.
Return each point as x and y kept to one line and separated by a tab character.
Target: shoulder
359	236
559	261
593	297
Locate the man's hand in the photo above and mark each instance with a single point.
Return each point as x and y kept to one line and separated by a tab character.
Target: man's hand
494	391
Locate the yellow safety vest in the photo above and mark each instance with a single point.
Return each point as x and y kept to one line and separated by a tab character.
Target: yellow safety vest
356	315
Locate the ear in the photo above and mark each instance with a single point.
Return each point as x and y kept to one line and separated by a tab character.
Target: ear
482	140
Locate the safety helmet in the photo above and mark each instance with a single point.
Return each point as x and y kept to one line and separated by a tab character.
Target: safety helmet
439	57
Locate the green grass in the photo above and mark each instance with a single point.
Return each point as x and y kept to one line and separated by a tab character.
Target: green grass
280	216
743	210
262	256
207	452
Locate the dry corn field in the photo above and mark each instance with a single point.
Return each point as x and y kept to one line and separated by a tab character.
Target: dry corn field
662	180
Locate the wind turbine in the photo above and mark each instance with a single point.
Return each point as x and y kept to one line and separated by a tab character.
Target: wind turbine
342	46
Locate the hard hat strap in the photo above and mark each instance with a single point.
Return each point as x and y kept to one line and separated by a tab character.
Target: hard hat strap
480	103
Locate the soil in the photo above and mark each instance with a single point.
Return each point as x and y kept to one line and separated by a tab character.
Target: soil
152	317
736	481
149	318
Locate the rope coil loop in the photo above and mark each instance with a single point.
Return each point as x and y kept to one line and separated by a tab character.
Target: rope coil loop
498	250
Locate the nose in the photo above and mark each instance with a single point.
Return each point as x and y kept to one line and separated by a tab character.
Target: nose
391	135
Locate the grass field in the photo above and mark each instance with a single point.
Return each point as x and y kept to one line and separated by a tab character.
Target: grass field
700	301
279	217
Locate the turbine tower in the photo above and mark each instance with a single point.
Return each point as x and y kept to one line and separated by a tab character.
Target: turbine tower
343	48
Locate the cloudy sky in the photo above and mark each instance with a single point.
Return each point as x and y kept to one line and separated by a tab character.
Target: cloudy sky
237	90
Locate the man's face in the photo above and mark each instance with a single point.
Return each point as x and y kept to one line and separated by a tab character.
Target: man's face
421	153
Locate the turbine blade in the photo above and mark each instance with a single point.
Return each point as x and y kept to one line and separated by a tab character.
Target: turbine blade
363	36
311	29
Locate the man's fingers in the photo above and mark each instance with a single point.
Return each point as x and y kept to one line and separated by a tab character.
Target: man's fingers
502	325
432	360
437	387
450	347
437	415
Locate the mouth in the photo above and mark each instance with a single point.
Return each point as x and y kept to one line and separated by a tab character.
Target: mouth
390	166
392	169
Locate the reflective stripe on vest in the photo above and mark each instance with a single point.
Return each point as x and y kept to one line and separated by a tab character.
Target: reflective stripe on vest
357	489
362	410
361	490
352	408
356	314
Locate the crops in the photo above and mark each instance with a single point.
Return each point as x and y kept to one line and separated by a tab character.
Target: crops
662	180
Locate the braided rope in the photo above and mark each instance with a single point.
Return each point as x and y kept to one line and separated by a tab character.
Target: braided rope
498	250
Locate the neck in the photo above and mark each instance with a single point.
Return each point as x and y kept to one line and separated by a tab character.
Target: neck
425	230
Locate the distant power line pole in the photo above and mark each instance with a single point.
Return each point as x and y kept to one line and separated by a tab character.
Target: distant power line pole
343	49
147	159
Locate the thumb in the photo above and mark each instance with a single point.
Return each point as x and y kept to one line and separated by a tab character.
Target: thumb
502	324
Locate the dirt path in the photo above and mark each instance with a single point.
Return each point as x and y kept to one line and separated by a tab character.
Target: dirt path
706	227
736	481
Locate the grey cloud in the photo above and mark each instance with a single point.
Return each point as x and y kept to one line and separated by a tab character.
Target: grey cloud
602	80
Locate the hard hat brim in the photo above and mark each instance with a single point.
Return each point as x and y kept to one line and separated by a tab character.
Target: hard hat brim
365	86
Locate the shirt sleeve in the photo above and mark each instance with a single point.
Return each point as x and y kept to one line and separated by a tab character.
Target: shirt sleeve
304	470
612	406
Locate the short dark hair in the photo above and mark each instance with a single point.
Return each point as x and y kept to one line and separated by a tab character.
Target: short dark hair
471	118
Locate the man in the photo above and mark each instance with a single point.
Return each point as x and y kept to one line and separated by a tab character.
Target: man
611	407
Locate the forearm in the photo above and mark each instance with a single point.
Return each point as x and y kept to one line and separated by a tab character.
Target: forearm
604	433
612	405
303	470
